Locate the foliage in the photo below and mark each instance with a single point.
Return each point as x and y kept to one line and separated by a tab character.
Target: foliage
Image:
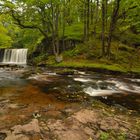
5	39
104	136
26	24
124	58
74	31
122	136
40	58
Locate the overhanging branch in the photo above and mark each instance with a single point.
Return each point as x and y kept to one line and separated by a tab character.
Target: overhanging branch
19	23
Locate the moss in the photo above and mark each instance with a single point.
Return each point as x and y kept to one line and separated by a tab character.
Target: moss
122	136
104	136
65	71
89	64
88	55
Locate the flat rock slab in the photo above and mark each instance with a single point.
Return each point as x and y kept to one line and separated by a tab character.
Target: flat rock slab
17	137
18	132
33	126
85	124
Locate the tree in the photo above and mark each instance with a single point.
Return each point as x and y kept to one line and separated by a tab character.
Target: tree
86	19
5	39
96	17
103	27
114	18
61	20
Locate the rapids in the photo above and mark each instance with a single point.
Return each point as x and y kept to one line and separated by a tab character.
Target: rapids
107	88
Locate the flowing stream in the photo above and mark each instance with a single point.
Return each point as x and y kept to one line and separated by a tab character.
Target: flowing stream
43	94
111	90
26	90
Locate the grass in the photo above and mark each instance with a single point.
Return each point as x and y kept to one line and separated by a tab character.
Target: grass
91	64
88	64
87	55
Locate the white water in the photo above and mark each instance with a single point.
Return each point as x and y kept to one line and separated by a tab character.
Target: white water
118	87
15	56
99	92
84	80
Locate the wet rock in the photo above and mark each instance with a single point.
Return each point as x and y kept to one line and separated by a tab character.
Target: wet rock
2	136
16	137
32	127
71	96
8	135
65	72
13	106
23	132
68	130
108	124
73	135
43	124
86	116
88	131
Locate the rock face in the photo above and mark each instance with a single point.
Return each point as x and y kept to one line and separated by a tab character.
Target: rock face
32	127
87	124
17	137
83	124
59	58
19	132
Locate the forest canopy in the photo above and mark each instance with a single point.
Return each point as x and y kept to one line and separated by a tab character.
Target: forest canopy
27	23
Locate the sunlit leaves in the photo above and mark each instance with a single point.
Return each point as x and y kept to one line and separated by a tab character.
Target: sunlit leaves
5	40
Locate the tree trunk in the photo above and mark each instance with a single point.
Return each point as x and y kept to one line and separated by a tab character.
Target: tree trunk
103	27
57	29
106	11
55	23
86	19
91	13
53	29
96	16
63	28
112	25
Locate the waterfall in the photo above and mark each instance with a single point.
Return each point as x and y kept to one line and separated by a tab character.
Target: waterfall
15	56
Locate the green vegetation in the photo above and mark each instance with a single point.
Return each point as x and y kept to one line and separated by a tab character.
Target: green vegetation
5	39
74	31
99	34
112	135
124	58
104	136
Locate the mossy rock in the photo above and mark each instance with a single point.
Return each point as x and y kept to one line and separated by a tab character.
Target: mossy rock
65	72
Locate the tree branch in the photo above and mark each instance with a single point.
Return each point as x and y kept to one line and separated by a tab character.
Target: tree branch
19	23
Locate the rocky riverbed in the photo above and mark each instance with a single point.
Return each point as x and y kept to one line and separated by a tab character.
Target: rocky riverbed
44	104
80	123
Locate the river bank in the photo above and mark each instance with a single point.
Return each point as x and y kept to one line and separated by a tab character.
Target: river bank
80	123
97	65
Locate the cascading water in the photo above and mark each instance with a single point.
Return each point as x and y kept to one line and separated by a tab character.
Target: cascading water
15	56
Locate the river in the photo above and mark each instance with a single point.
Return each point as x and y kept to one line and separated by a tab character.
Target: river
24	91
